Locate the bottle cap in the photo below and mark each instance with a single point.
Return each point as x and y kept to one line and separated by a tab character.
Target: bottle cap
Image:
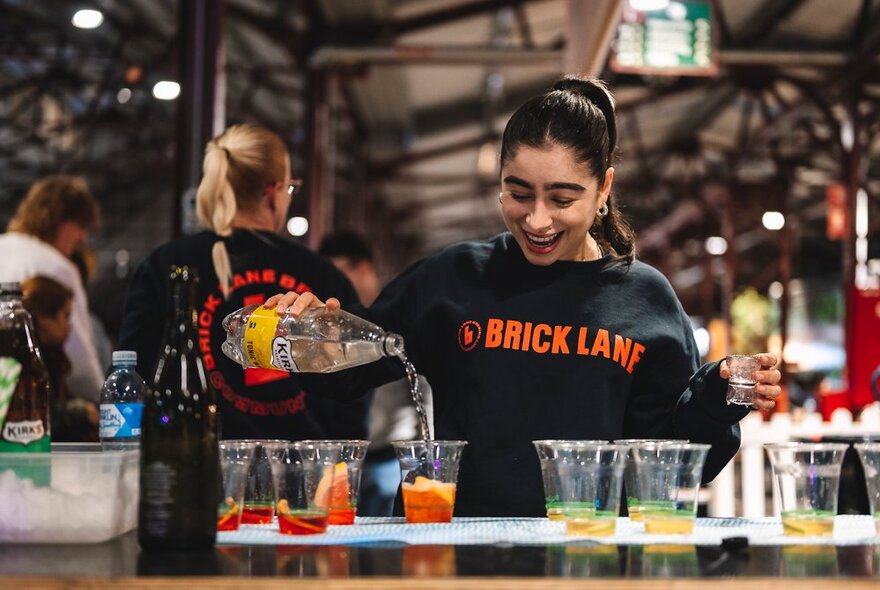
125	356
10	289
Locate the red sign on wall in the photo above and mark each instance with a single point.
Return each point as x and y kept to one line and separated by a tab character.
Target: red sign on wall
863	350
835	197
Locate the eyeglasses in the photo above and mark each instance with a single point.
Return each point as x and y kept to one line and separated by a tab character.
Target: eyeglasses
293	186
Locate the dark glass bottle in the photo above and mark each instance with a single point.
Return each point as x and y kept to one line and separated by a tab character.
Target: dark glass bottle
24	381
180	467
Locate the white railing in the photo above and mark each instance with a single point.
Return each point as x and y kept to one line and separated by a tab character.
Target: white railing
780	428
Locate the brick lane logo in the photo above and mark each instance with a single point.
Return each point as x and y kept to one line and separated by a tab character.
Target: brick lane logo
469	335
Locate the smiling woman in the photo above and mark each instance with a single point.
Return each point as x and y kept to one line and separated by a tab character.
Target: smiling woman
551	330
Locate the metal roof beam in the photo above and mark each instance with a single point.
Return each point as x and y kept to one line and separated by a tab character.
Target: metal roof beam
446	15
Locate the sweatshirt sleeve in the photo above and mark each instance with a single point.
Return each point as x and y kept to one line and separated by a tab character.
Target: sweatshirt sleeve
393	311
144	317
671	398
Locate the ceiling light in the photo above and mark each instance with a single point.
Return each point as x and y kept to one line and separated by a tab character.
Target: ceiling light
297	226
716	245
677	11
87	19
773	220
166	90
648	5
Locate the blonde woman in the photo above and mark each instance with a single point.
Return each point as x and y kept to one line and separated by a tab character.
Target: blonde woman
50	224
242	201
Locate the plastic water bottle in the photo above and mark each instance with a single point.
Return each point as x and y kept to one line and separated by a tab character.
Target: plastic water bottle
122	404
318	341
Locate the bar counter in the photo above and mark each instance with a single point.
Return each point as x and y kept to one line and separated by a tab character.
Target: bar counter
120	564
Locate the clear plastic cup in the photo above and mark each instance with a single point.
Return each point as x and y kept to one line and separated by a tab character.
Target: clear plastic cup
343	498
305	481
630	480
669	484
428	475
235	456
260	493
869	453
546	454
805	480
587	477
741	383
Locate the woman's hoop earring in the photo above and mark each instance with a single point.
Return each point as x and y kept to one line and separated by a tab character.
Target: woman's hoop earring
603	210
501	197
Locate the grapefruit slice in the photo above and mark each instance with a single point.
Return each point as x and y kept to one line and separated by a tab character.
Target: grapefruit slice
333	488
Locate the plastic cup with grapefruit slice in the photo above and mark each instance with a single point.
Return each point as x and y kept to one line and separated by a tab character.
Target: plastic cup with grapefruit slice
429	471
338	491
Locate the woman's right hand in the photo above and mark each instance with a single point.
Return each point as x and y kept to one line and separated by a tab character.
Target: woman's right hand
296	303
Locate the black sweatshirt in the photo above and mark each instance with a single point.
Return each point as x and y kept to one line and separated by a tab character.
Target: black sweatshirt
516	352
254	403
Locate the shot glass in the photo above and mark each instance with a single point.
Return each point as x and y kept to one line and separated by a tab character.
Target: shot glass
260	493
741	384
587	477
235	456
869	453
546	455
805	482
342	498
668	477
428	472
630	480
306	477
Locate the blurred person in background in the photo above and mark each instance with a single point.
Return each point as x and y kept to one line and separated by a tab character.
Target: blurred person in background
50	224
50	304
242	200
392	413
84	259
552	329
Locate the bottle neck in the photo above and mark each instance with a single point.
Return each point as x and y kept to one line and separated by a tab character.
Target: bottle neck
392	344
182	322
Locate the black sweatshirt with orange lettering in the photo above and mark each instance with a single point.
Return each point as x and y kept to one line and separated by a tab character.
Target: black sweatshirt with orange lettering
516	352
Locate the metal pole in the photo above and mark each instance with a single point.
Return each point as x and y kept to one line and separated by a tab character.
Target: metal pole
319	143
200	113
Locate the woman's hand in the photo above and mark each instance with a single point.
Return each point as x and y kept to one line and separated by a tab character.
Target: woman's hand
295	303
766	381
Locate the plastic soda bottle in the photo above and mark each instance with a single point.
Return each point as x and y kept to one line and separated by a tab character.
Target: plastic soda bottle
24	382
122	404
318	341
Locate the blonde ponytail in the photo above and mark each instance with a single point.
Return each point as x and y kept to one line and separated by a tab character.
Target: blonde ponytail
216	207
238	166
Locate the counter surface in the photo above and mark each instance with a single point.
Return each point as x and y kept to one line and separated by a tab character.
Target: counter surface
119	563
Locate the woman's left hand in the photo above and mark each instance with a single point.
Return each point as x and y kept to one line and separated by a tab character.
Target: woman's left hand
766	379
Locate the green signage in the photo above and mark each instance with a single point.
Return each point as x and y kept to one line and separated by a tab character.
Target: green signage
676	40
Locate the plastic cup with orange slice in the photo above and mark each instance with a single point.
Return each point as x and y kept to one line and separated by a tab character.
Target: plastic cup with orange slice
429	471
305	486
234	459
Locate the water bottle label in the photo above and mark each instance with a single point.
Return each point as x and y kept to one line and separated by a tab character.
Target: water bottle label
259	337
120	420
